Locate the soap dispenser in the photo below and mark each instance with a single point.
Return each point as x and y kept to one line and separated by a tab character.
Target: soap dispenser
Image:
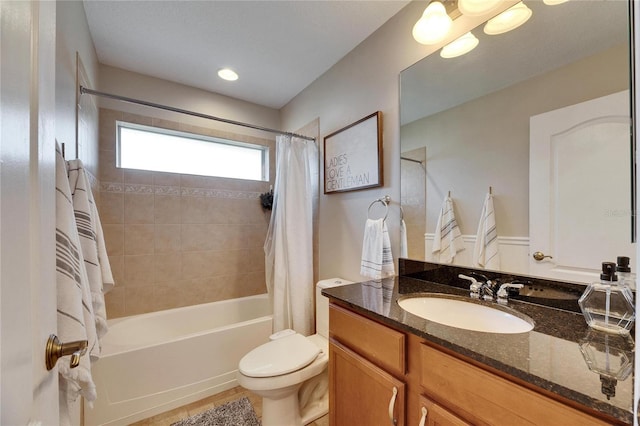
607	306
624	272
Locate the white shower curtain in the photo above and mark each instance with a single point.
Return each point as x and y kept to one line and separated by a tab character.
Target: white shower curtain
289	244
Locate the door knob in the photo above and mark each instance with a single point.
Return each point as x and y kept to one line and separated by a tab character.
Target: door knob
56	349
540	255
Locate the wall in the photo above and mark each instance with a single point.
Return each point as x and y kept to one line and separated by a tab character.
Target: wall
177	240
72	36
364	81
174	239
499	129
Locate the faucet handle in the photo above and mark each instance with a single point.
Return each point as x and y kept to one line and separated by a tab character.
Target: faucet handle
502	291
474	287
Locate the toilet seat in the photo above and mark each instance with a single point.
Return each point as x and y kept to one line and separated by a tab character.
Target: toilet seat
278	357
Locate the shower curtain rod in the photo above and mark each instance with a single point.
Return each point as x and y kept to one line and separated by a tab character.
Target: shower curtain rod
412	160
84	90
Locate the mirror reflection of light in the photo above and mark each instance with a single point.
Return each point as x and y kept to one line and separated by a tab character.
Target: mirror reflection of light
508	20
460	46
433	26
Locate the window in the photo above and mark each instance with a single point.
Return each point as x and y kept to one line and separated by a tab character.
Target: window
161	150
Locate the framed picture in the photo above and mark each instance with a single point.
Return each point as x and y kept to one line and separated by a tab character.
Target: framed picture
353	156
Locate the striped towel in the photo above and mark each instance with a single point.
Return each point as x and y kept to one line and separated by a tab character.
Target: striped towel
485	252
448	239
377	259
74	308
92	242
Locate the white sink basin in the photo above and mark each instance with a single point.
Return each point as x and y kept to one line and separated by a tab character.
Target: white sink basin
466	315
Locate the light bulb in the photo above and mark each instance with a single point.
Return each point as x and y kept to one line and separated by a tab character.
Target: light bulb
508	20
433	26
476	7
460	46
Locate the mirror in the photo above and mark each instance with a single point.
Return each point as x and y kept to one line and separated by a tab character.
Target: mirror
466	125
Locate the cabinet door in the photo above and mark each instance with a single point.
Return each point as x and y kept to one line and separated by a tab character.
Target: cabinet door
435	415
361	393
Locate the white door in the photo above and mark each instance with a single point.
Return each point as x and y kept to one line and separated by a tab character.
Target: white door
580	188
28	392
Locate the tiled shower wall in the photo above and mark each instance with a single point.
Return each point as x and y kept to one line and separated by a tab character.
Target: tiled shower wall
174	239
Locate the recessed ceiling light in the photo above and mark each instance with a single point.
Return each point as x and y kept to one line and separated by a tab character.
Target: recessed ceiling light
554	2
228	74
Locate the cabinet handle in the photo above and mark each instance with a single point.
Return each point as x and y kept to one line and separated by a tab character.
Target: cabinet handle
392	404
423	419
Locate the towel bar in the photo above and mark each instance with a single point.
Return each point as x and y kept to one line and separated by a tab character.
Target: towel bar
384	201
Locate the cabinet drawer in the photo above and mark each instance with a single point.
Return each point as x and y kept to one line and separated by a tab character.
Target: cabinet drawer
437	415
489	399
381	345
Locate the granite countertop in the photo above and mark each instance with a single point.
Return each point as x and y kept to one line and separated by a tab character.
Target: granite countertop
553	356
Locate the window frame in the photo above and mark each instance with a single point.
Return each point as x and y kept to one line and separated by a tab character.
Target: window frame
264	149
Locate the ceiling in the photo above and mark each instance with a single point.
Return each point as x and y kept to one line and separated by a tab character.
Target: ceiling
277	47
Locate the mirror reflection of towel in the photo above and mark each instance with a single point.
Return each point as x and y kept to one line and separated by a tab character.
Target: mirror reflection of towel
485	252
448	239
377	259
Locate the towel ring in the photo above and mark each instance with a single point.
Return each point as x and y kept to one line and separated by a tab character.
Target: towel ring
385	202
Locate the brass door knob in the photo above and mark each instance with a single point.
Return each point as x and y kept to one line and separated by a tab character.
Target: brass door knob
540	255
55	350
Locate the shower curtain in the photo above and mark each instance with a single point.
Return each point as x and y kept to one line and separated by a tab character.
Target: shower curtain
289	244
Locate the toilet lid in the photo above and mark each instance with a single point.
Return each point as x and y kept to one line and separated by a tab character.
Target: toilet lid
280	356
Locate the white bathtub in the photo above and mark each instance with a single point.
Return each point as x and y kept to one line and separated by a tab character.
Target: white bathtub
156	362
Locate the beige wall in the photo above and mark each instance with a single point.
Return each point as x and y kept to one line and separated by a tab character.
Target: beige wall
364	81
176	240
72	35
498	128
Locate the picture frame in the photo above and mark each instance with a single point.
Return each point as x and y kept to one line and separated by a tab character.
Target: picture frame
353	156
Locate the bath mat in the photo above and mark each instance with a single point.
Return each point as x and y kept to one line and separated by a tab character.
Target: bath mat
238	413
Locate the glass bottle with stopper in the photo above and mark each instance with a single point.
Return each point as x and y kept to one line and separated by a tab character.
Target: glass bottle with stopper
606	305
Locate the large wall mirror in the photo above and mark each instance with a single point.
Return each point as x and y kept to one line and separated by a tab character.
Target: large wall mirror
541	115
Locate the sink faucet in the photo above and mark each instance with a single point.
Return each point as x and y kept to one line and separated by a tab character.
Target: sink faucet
487	289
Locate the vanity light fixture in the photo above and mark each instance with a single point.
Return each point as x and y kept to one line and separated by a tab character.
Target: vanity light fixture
227	74
508	20
433	26
476	7
460	46
554	2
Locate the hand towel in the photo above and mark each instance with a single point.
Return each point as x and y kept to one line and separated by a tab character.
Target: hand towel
404	250
485	252
448	239
92	242
377	259
74	308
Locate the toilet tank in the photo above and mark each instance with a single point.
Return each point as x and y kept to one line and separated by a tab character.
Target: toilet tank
322	304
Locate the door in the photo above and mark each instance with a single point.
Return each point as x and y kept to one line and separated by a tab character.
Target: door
360	393
580	188
28	392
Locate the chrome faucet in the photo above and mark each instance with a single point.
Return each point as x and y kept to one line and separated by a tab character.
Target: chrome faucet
474	287
487	286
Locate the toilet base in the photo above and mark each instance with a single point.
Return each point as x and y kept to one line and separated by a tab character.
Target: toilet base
282	411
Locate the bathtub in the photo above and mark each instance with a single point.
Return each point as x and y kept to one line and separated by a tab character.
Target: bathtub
159	361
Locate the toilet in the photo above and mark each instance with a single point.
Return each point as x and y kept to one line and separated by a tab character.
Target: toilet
290	372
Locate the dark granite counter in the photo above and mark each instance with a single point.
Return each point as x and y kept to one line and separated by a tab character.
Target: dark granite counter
553	356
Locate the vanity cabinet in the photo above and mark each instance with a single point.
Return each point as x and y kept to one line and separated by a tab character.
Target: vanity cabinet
367	360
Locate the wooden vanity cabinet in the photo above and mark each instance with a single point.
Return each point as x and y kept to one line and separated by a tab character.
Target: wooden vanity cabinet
367	360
